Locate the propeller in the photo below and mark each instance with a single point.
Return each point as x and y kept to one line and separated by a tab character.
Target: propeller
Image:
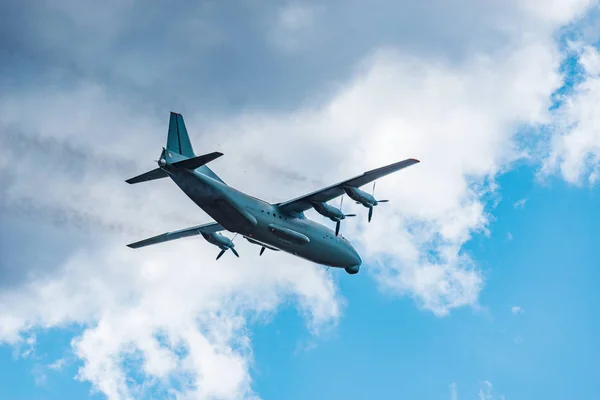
378	201
262	250
234	251
228	248
339	221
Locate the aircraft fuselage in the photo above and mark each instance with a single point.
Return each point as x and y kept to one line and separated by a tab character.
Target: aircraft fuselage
263	224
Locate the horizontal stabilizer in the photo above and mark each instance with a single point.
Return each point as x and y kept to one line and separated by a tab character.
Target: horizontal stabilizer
166	237
195	162
148	176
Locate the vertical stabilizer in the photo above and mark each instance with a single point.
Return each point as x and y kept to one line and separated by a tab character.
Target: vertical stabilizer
178	140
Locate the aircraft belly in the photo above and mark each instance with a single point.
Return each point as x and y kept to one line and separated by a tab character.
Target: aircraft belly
317	249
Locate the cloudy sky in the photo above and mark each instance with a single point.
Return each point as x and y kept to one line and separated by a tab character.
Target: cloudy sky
479	277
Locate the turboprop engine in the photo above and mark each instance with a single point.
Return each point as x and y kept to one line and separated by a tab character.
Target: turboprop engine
333	213
221	242
360	196
364	198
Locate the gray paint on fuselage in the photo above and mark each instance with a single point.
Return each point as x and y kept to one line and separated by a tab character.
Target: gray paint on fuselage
249	216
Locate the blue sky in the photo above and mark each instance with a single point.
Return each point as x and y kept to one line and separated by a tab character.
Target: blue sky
479	276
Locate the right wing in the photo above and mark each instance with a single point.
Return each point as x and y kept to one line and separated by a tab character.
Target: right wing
211	227
303	203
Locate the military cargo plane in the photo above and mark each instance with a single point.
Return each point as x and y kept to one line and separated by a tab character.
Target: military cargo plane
279	226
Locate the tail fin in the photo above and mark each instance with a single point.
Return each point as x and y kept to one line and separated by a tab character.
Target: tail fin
178	140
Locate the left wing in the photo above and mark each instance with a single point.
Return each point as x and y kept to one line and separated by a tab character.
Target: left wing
165	237
303	203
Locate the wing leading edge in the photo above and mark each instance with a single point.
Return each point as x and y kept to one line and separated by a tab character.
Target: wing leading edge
303	203
165	237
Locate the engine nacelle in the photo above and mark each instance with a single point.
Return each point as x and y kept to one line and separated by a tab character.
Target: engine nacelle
353	270
218	240
358	195
334	214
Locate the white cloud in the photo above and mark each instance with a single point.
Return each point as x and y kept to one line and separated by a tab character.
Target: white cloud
294	26
575	147
518	339
453	391
487	392
516	309
58	364
39	375
184	316
391	110
162	302
556	11
399	107
296	16
520	203
172	308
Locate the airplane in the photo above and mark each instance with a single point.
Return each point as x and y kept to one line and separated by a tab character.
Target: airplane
276	227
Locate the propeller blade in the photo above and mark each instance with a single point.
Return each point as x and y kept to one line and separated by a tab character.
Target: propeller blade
373	193
337	227
234	252
221	253
262	250
382	201
370	213
349	215
341	202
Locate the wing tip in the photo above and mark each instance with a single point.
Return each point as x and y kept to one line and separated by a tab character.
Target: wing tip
414	160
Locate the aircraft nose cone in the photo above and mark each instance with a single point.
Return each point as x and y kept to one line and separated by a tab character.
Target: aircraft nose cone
354	261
